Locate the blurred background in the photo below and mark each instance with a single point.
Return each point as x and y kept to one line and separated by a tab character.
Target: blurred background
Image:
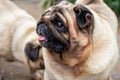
18	71
113	4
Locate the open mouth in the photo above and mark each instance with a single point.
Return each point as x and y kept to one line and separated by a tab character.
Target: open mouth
43	40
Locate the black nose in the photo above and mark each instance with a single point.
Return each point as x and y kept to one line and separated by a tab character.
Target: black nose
40	28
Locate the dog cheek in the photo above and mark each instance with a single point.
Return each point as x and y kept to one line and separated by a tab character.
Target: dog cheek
32	51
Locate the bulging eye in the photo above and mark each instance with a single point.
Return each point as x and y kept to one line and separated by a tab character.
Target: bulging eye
59	24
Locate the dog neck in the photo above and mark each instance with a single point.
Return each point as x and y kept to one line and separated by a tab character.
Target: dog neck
71	63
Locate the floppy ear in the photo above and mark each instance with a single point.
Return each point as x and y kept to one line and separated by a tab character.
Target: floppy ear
32	51
84	19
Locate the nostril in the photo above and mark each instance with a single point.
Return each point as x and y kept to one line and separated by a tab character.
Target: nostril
41	28
38	30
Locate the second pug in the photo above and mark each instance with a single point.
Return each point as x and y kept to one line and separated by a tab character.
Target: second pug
18	36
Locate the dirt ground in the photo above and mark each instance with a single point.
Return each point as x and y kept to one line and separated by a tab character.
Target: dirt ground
18	71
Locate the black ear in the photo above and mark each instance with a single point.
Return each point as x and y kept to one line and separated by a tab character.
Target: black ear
32	51
84	18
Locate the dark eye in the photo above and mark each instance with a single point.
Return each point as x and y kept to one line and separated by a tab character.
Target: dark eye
59	24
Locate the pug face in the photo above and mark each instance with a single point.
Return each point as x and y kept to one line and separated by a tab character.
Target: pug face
65	26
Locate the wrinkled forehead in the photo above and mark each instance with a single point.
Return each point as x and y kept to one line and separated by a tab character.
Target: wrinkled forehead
62	5
65	4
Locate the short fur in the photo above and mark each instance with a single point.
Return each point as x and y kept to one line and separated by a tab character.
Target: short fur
92	44
18	36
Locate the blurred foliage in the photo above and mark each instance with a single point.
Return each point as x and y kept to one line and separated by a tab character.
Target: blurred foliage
113	4
46	3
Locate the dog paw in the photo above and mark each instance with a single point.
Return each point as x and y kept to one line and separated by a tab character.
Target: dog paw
32	51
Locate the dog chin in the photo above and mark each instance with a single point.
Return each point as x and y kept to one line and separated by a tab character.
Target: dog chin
53	45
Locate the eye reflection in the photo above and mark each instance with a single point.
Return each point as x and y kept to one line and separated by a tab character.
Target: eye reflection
59	24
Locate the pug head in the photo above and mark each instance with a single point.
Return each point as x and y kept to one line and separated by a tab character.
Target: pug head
67	29
64	26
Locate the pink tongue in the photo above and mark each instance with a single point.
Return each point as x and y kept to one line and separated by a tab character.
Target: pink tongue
42	38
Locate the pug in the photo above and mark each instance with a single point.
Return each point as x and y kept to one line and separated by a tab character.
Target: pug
79	41
18	36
